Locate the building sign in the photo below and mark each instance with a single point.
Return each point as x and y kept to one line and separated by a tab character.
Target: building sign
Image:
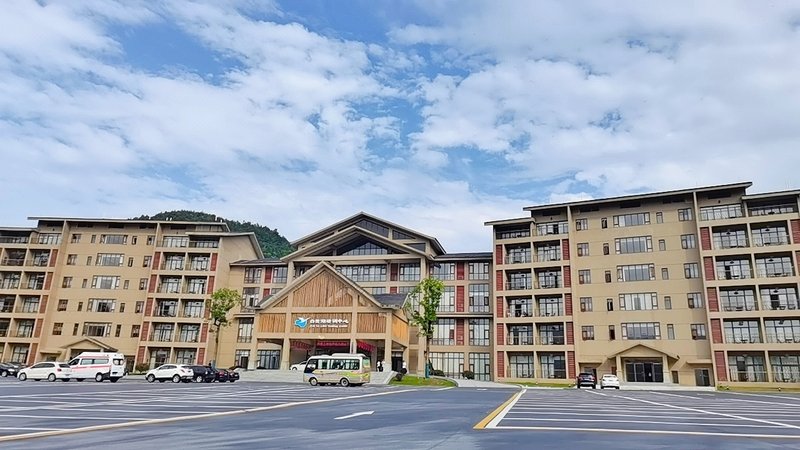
305	322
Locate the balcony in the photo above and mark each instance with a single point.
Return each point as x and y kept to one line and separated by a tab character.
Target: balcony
774	338
767	241
166	312
519	312
739	306
776	272
780	304
12	261
550	339
518	285
14	239
518	259
742	339
513	234
550	283
190	337
9	284
161	336
517	339
169	289
38	262
7	307
747	376
550	311
723	274
552	229
23	332
29	308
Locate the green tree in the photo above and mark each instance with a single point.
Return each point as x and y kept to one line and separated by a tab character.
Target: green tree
219	305
429	293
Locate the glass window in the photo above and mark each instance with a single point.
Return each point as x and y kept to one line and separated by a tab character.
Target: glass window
587	332
641	330
364	273
479	297
698	331
444	271
409	272
109	259
480	365
280	274
583	249
479	330
638	301
444	332
638	272
721	212
448	301
586	304
779	266
688	241
685	214
691	270
638	244
553	365
584	276
581	224
451	363
695	300
478	271
742	331
778	298
741	299
116	239
632	220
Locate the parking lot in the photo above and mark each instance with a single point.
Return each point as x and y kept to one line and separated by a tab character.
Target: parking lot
695	414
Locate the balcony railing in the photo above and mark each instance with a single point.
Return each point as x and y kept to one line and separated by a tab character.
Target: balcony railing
554	255
12	261
192	314
190	337
747	376
776	305
763	241
788	375
24	332
551	311
166	312
518	258
722	244
519	312
739	306
515	234
783	339
169	289
35	285
731	339
518	285
161	337
548	283
728	275
7	308
9	284
13	239
523	339
38	262
546	339
28	308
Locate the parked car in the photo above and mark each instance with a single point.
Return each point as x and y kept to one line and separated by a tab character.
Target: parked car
174	372
586	379
50	371
301	366
609	381
10	369
203	374
224	375
233	376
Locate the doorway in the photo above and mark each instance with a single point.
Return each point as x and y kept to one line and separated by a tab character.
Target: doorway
644	372
702	377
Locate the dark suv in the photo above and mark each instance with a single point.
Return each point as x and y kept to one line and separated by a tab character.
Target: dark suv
586	379
9	369
203	374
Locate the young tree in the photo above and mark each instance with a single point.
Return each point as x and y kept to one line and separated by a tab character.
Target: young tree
220	303
429	292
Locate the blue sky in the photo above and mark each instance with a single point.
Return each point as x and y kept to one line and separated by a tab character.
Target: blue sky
438	115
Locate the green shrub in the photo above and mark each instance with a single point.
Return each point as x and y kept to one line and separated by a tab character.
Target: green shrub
468	374
399	376
142	367
437	373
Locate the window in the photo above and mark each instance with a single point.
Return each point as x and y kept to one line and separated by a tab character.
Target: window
584	276
610	304
444	271
611	334
72	260
480	366
479	298
582	224
665	273
740	299
75	329
365	273
695	300
662	245
605	249
96	329
583	249
779	298
478	271
785	368
379	290
780	266
146	261
448	301
742	332
553	365
126	284
134	239
688	241
122	307
76	238
116	239
84	283
691	270
587	333
638	244
451	363
638	302
66	282
80	306
670	331
280	274
118	331
150	239
544	229
57	328
770	235
444	332
143	284
191	332
409	272
62	304
586	304
721	212
268	359
604	222
784	331
608	276
139	307
94	238
685	215
252	275
698	331
109	259
105	282
667	302
632	220
659	217
49	238
479	330
101	305
135	329
184	356
641	330
638	272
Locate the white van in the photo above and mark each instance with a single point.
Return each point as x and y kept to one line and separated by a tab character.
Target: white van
98	365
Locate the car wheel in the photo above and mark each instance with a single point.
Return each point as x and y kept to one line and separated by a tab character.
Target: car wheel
594	386
294	368
150	378
98	378
579	386
617	387
22	377
65	380
344	382
161	381
78	379
602	387
198	379
313	381
176	378
4	373
51	377
113	380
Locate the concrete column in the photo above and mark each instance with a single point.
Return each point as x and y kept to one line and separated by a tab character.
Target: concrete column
286	354
667	372
387	354
768	366
619	368
353	345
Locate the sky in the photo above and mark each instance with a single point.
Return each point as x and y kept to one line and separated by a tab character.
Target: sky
437	115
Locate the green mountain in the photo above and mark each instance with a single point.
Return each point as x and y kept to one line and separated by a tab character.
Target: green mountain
272	243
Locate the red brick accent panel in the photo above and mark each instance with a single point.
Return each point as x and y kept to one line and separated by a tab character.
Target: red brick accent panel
795	225
567	277
140	355
460	271
459	332
204	333
716	331
393	290
571	364
501	365
43	304
705	238
459	298
501	334
568	304
722	368
157	261
708	267
498	254
201	356
214	257
210	285
499	309
266	292
32	354
48	280
570	334
148	307
565	249
393	271
53	257
711	299
37	329
152	287
268	275
145	333
498	279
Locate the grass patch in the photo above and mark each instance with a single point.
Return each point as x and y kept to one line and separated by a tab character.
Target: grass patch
724	388
411	380
535	384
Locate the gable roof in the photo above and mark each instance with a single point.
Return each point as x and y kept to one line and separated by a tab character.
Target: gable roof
362	215
649	347
349	233
309	275
92	341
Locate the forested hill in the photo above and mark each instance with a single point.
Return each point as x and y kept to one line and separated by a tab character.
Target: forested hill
272	243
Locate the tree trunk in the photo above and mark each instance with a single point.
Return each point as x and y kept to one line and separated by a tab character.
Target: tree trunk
427	356
216	347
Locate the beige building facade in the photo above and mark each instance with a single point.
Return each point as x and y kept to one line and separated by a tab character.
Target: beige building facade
690	287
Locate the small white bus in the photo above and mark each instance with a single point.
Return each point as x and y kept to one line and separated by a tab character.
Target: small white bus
98	365
340	368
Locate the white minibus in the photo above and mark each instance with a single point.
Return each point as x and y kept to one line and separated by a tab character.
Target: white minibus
98	365
340	368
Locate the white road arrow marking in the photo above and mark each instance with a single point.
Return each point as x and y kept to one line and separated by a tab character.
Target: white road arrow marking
349	416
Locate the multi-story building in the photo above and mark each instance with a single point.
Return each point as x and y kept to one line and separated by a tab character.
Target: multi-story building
694	287
691	287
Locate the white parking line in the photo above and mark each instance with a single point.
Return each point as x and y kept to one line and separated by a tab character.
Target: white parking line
30	416
615	430
493	423
649	422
